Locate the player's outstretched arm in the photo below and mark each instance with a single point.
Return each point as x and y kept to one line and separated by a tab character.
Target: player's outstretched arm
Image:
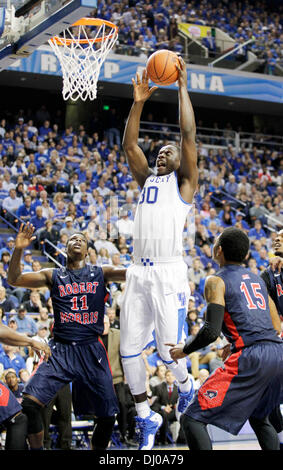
29	280
188	171
112	274
135	156
12	338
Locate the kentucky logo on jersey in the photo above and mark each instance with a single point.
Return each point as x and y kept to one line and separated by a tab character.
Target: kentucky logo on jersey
211	394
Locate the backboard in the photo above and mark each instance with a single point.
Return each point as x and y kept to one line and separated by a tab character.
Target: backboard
27	24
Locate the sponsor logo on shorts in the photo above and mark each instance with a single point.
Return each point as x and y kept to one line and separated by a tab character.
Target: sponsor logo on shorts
211	394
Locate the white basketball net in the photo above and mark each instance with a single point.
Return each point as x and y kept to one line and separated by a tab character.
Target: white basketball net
81	62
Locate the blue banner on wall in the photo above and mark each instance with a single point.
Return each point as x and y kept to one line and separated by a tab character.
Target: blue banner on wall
121	69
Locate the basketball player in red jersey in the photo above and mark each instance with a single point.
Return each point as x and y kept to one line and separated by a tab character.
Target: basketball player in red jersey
250	384
78	296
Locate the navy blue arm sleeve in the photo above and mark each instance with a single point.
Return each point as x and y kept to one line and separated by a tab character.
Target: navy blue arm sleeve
209	332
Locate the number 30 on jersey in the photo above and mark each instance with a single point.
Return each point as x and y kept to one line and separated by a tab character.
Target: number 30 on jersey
149	195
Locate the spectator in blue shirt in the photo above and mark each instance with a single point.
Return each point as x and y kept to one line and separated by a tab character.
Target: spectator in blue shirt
41	157
81	172
45	129
206	257
103	150
270	63
150	38
6	303
240	53
27	261
38	221
263	259
209	42
257	232
240	218
12	360
124	178
231	186
68	135
25	324
26	211
160	22
227	219
9	246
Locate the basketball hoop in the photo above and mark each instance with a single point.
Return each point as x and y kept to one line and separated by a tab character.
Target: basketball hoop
81	50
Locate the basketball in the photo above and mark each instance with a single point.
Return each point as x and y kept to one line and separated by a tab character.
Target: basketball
161	67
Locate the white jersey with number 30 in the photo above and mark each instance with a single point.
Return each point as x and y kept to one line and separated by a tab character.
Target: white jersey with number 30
160	218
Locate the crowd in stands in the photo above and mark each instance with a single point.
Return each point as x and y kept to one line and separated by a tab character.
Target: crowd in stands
62	181
146	26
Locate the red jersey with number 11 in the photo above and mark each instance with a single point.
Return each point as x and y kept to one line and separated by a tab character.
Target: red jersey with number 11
78	298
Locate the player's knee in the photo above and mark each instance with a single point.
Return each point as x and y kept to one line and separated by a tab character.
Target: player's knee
33	412
164	354
135	373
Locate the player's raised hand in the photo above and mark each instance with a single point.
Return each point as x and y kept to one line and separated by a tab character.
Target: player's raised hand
40	347
276	263
176	351
183	76
142	91
25	236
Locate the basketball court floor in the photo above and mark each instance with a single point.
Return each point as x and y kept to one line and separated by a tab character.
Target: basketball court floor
233	445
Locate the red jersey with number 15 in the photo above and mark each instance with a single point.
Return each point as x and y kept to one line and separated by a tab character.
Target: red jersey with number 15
247	317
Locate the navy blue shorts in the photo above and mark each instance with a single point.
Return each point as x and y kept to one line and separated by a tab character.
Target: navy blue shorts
9	405
249	384
85	364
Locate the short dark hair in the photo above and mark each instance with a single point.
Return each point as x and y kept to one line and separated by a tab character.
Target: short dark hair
235	244
10	372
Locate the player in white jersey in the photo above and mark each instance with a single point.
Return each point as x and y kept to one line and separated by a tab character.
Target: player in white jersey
157	290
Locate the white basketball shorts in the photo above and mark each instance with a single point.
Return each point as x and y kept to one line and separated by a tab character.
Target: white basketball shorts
155	299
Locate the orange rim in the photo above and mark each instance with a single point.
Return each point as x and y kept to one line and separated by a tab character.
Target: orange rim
86	22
